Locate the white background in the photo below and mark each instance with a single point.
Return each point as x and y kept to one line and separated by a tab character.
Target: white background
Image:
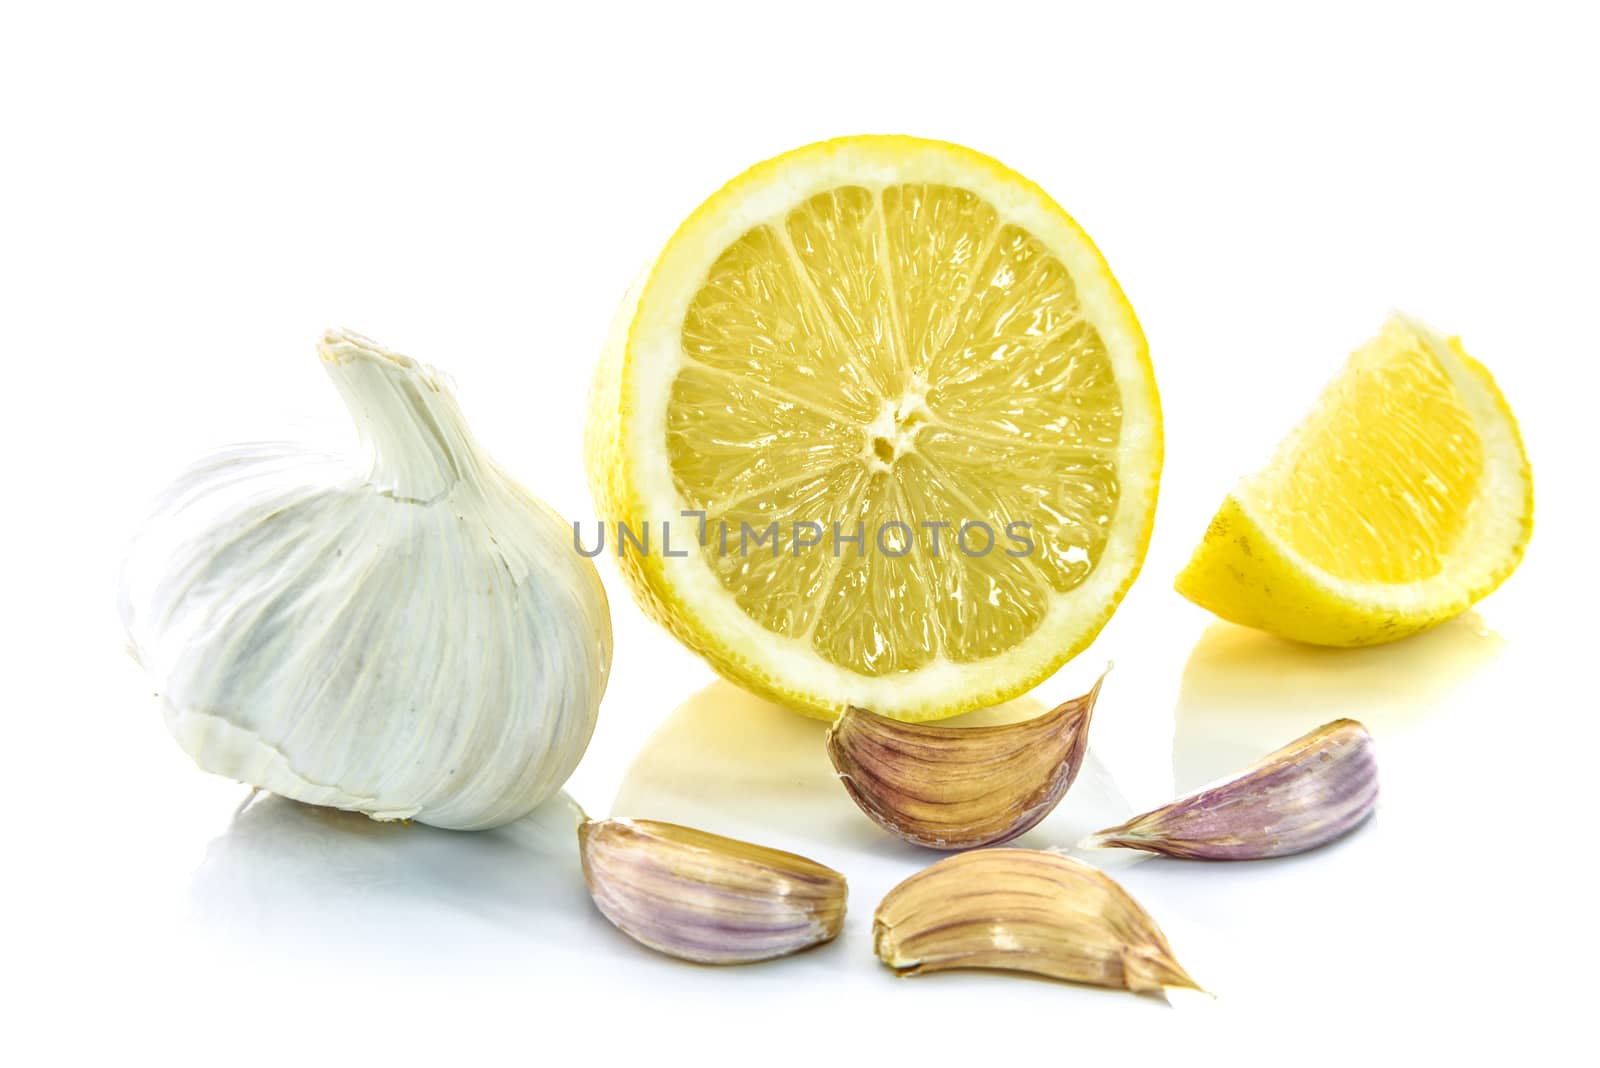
189	196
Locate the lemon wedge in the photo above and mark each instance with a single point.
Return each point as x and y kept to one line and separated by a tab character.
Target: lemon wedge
1401	500
899	420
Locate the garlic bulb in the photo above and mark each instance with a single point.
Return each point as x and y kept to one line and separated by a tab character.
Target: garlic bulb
409	634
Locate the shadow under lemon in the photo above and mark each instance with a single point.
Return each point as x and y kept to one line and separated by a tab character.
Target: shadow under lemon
313	878
1246	693
734	764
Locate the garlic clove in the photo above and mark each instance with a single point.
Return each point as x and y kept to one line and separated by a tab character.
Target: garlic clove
403	631
954	788
705	898
1024	910
1308	793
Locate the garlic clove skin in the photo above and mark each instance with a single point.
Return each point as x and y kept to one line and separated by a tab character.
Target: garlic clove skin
1317	788
956	788
406	632
1024	910
705	898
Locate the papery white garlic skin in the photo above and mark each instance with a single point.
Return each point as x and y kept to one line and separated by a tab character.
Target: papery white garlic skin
406	633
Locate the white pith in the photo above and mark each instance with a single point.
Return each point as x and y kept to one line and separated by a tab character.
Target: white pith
655	358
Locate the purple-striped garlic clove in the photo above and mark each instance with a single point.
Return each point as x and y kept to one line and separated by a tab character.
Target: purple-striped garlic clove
1024	910
1306	794
960	787
706	898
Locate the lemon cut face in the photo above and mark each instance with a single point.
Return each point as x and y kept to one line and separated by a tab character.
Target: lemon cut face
1404	497
896	405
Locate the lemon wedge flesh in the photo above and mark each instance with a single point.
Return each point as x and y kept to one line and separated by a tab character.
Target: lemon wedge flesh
1401	500
911	361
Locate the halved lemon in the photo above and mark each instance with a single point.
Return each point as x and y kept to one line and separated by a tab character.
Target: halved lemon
899	420
1401	500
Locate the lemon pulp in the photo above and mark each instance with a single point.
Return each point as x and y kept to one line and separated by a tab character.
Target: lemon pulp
887	357
1377	483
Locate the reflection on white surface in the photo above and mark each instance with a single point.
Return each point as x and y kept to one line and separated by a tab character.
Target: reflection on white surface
304	882
1245	693
735	764
310	878
728	762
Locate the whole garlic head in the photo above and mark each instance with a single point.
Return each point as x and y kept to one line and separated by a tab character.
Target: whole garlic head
408	634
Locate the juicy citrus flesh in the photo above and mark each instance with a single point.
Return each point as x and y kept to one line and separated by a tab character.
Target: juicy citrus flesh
1403	498
1378	483
897	341
886	357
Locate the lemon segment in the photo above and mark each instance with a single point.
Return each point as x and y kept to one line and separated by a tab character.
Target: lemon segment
913	366
1401	500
